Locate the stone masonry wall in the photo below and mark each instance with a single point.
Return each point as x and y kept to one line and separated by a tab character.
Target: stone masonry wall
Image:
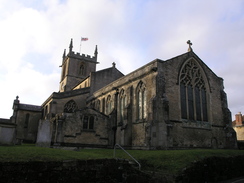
104	170
27	131
239	132
212	169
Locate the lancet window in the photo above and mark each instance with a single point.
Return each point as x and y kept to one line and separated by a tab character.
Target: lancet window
81	69
141	101
70	107
109	104
122	104
103	105
97	105
193	93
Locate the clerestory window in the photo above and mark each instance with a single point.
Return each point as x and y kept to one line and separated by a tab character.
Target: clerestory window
193	93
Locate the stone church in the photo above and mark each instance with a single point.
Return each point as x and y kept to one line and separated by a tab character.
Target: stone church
165	104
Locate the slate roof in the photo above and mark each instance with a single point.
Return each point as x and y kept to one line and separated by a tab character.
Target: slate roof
29	107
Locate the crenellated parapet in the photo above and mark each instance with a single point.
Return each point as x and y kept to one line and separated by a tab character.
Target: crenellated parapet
79	56
82	56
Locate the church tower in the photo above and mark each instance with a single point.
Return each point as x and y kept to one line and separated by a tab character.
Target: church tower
75	68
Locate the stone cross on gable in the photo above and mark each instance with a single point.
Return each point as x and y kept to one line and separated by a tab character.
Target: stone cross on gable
113	64
189	43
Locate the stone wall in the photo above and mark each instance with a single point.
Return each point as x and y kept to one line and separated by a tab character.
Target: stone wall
104	170
7	132
239	132
27	128
213	169
73	73
195	133
69	129
130	130
104	77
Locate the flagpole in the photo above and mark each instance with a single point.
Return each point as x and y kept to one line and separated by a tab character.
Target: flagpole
80	45
82	39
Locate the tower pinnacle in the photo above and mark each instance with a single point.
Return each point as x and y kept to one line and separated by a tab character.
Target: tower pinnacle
71	46
96	52
64	54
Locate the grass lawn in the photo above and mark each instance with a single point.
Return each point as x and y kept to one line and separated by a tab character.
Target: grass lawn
159	160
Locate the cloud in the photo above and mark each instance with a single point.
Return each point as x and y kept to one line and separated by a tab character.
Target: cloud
35	33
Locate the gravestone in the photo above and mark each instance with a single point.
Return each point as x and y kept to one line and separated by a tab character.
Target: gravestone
44	134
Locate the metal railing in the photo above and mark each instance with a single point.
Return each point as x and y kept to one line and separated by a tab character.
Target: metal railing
117	145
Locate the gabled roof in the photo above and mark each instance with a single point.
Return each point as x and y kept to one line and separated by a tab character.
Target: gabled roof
94	110
188	55
29	107
110	68
66	94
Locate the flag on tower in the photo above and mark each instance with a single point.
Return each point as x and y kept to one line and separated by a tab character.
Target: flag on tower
84	39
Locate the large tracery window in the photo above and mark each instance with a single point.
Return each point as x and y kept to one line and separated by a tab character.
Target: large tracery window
141	101
70	106
193	93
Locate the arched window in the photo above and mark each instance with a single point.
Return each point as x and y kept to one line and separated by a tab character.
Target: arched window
193	93
70	107
27	117
141	101
91	122
103	105
82	70
85	122
122	104
88	122
109	104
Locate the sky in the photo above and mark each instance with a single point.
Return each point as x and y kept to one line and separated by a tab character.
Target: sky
34	34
